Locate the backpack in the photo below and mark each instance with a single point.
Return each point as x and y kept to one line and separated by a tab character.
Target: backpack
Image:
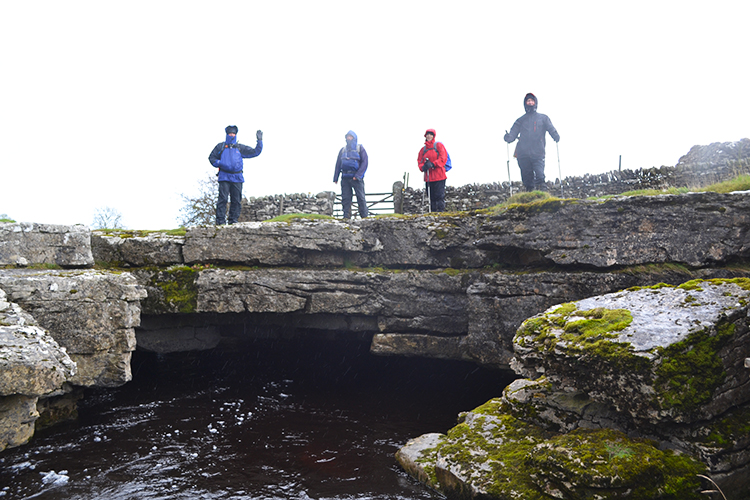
231	158
448	164
350	160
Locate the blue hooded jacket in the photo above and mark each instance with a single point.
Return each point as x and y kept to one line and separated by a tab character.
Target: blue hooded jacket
350	162
227	157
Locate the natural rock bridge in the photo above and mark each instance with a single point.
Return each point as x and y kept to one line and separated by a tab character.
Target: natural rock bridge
451	286
448	286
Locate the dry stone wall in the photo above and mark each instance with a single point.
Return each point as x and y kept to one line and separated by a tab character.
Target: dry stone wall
702	166
268	207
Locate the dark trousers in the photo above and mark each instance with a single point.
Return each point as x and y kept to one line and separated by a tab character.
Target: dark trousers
437	195
231	191
532	173
347	185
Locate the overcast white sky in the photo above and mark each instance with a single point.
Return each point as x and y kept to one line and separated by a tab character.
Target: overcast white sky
119	103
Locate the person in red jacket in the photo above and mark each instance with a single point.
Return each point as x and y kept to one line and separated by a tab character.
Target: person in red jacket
431	161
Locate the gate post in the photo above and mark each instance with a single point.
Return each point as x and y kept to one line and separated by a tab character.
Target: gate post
398	197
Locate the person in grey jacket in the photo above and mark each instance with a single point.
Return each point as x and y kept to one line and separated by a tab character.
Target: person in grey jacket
351	164
530	150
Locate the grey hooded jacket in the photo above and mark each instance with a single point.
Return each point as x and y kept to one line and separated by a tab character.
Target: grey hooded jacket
532	128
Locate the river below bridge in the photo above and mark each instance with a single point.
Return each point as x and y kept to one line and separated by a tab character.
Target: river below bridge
261	420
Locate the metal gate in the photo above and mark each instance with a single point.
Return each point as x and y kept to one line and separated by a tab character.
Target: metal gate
377	203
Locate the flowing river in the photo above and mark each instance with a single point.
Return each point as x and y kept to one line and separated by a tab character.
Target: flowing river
261	420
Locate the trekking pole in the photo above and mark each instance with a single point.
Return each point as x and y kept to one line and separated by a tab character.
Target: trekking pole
559	170
507	150
427	189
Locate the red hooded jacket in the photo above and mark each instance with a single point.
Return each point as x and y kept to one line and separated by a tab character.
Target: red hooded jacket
438	158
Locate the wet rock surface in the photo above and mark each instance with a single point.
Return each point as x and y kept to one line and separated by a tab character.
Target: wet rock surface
611	380
93	314
32	365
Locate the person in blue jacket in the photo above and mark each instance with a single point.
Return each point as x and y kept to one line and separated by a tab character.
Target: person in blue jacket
530	150
227	157
352	165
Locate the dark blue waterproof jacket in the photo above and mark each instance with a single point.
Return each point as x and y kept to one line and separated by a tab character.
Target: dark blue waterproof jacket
532	128
227	157
351	161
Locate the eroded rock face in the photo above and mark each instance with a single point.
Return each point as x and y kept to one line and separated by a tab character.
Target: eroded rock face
698	229
137	249
24	243
31	361
612	379
300	244
664	362
17	416
92	314
444	314
662	354
32	365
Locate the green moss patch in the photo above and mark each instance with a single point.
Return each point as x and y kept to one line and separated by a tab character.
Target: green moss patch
493	450
138	233
655	287
578	331
585	463
743	283
299	218
507	458
598	323
689	371
550	205
733	427
178	285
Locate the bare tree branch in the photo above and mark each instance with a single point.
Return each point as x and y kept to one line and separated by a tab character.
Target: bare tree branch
200	210
107	218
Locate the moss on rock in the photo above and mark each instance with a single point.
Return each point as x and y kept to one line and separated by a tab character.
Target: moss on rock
180	294
495	455
587	332
689	371
607	464
732	428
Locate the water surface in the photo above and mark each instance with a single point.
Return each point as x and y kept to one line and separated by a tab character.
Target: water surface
260	420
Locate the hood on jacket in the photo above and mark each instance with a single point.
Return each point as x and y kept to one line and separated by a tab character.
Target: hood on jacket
351	144
231	129
430	144
528	108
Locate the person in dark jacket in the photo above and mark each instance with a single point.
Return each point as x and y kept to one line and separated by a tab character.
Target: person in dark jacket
530	150
431	161
227	157
351	164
